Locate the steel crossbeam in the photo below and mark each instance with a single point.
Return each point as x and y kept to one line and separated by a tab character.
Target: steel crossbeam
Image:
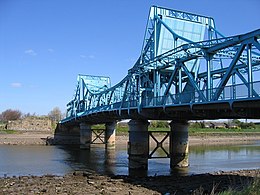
159	144
99	135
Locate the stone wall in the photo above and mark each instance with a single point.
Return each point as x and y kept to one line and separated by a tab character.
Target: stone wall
2	126
31	124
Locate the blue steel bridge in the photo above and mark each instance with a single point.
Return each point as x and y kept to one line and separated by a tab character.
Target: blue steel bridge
186	70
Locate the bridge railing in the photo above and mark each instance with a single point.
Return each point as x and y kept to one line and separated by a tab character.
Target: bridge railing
229	93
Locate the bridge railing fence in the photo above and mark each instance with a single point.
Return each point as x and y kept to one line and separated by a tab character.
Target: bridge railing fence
231	92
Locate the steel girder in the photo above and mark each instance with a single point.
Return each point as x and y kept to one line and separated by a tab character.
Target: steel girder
178	65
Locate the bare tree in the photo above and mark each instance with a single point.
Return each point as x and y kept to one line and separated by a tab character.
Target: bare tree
29	115
10	114
55	114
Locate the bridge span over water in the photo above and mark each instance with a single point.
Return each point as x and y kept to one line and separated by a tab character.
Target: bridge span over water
187	70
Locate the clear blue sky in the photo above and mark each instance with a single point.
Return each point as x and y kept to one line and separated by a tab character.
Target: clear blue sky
45	44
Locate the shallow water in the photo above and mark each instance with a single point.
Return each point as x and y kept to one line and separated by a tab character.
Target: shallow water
40	160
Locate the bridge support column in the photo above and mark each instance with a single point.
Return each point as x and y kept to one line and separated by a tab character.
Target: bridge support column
110	135
179	145
138	146
85	135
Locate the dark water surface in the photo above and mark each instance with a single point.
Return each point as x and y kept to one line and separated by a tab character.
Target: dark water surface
40	160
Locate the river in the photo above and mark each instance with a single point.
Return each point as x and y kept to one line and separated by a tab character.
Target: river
40	160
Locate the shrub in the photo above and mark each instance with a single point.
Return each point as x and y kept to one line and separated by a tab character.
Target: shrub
197	125
243	125
159	124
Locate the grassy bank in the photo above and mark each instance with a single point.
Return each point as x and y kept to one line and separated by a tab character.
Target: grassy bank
252	189
6	131
123	129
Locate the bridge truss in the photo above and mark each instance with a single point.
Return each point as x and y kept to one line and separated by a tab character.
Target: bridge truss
186	69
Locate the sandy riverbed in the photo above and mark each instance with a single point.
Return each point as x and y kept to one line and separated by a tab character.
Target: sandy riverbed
35	138
26	138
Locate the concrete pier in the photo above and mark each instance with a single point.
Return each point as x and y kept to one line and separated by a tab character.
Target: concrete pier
179	145
85	135
110	135
110	162
138	146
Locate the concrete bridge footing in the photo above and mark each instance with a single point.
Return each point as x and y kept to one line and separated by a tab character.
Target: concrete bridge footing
138	145
85	135
179	145
110	135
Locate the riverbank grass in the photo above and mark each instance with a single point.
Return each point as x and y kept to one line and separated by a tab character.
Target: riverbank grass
6	131
123	129
252	189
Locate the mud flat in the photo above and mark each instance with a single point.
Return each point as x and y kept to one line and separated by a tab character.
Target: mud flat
26	138
36	138
207	138
90	183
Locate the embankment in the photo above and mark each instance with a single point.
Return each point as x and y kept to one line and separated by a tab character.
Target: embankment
39	138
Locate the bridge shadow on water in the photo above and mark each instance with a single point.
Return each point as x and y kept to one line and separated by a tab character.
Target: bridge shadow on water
178	181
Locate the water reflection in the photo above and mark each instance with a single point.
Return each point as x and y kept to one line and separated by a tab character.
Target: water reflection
32	160
214	158
201	158
97	159
39	160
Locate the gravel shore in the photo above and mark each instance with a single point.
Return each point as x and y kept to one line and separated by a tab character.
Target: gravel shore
88	183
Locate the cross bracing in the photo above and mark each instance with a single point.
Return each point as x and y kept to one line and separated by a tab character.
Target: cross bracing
186	69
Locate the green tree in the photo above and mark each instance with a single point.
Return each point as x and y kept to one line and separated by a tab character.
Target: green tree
159	124
243	125
197	125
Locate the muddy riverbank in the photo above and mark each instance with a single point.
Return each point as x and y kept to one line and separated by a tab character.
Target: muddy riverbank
25	138
36	138
90	183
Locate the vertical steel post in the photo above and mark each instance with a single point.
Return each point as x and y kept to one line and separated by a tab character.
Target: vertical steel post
180	85
208	78
155	33
138	145
85	135
233	86
110	135
209	63
156	73
175	43
250	75
179	145
210	31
